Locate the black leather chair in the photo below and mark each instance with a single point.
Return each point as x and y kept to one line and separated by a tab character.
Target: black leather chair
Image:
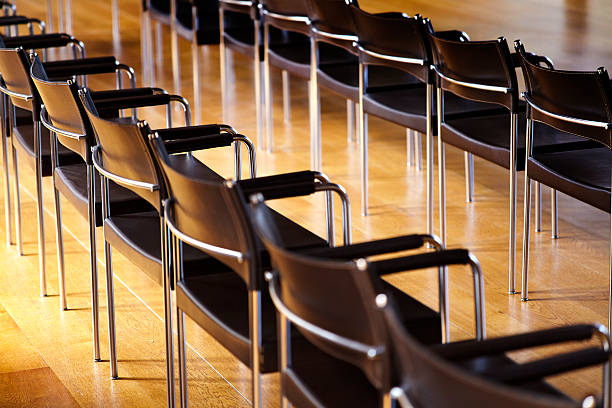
123	155
332	24
411	105
485	71
158	11
478	373
28	140
64	116
211	213
325	294
198	22
577	103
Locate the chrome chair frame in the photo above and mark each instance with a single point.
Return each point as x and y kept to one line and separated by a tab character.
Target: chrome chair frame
286	317
254	295
257	67
411	139
527	206
267	143
166	254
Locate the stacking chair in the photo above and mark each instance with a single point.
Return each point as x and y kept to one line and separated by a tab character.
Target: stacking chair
479	374
158	11
485	71
198	22
206	211
64	116
326	292
28	139
410	105
575	102
122	155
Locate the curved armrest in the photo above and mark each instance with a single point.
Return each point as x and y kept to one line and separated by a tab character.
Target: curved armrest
541	60
187	132
81	66
536	370
126	92
420	261
472	348
137	101
199	143
365	249
280	186
39	41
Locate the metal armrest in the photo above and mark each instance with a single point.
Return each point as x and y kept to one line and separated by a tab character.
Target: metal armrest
187	132
471	348
82	66
120	93
20	20
378	247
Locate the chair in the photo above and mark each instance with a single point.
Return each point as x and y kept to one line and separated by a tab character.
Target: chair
198	22
577	103
64	116
484	71
409	105
479	374
122	155
210	213
160	12
324	293
29	141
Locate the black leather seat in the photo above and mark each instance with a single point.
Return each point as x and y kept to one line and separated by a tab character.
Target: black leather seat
577	102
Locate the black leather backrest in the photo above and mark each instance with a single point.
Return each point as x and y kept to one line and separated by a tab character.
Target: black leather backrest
64	109
333	295
430	381
578	94
125	151
204	207
479	62
15	71
333	16
286	7
394	34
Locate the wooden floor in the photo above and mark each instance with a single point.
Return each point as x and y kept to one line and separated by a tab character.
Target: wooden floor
46	354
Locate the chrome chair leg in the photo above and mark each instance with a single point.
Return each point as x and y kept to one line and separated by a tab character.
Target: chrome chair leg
50	24
257	71
268	98
409	147
40	210
554	214
175	51
469	176
115	22
195	55
350	121
255	332
286	97
527	216
180	322
144	49
110	294
363	139
223	69
166	270
18	225
418	141
285	352
441	168
59	238
8	211
158	51
93	262
314	109
512	227
429	147
538	206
